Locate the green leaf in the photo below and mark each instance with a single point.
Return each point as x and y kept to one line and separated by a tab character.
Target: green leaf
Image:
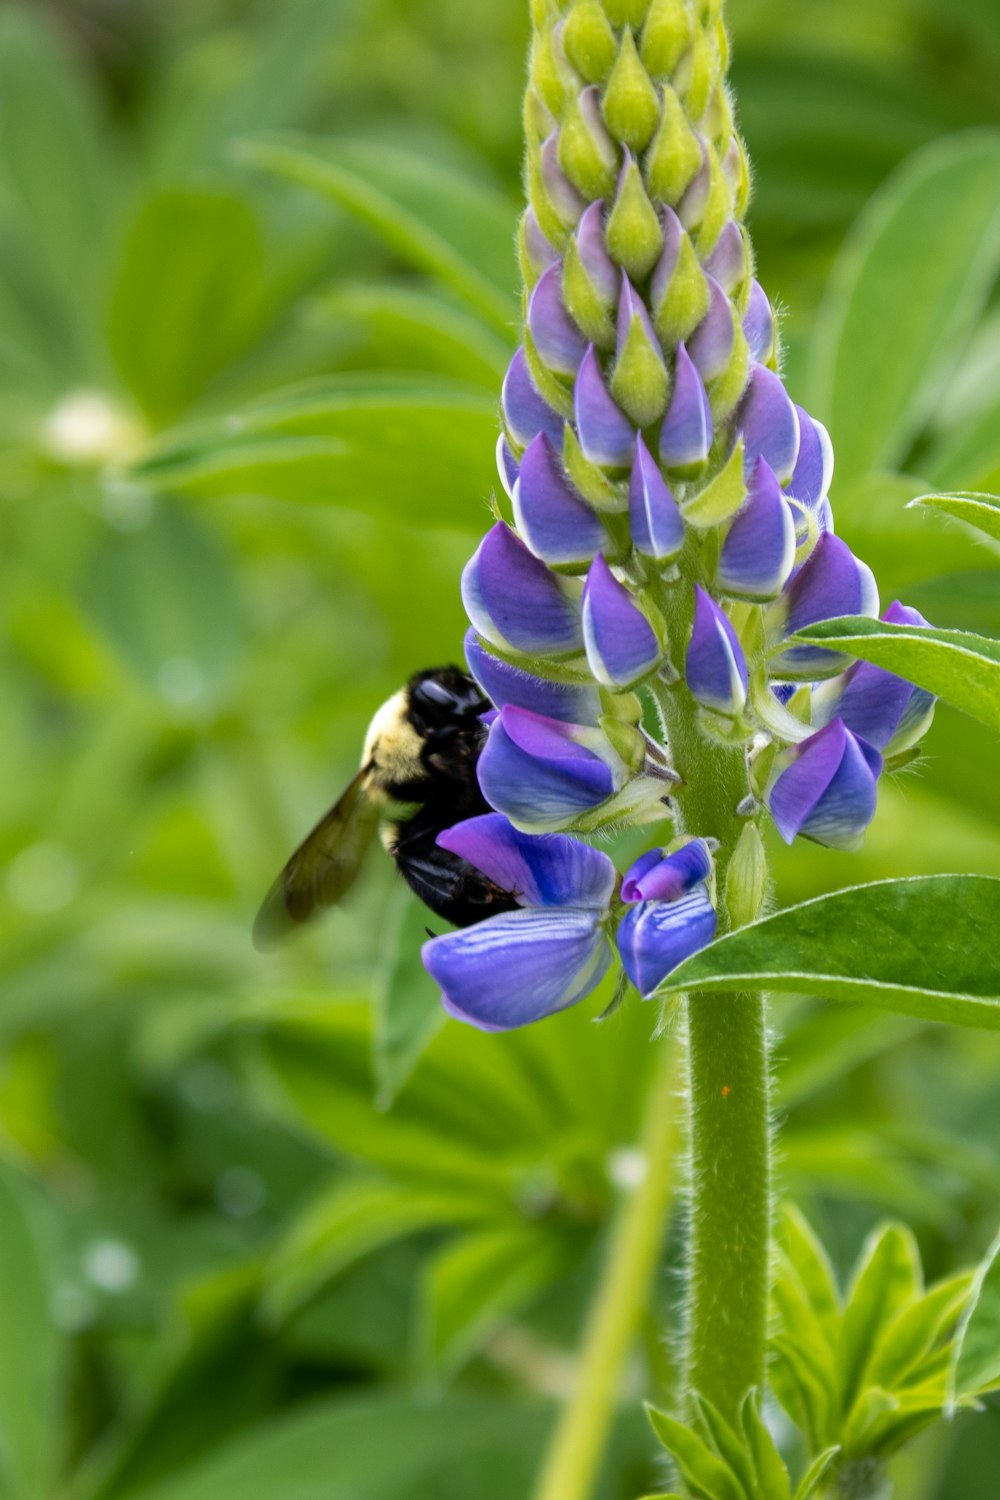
960	667
815	1473
408	1008
189	297
370	1448
30	1351
980	511
434	217
480	1281
706	1476
910	284
869	943
806	1254
975	1359
905	1341
725	1442
348	1221
772	1476
888	1276
412	449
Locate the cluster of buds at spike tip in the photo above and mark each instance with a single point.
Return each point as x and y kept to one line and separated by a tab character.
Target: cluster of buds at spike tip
669	521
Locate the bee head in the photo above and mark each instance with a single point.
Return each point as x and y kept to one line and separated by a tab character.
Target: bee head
441	697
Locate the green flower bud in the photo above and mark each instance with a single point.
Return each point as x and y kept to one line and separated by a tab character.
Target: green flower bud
589	41
549	386
679	309
626	739
587	154
583	301
675	155
697	74
665	36
717	207
626	12
726	390
592	482
640	383
548	75
634	236
746	878
631	108
721	497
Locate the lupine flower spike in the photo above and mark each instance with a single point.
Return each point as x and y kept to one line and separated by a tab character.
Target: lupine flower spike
668	532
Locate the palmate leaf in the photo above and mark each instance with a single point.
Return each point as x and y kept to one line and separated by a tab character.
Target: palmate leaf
980	511
925	947
956	665
436	218
911	282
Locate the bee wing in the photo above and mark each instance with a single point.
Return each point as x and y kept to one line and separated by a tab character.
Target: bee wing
323	867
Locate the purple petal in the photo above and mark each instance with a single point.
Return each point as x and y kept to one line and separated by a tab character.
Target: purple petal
885	710
525	411
758	324
556	523
715	667
673	233
831	582
769	424
620	643
711	344
655	936
540	251
534	771
514	601
691	208
728	261
668	877
504	685
654	518
605	433
759	550
507	465
547	869
600	268
826	788
686	434
561	193
813	471
557	338
519	966
631	306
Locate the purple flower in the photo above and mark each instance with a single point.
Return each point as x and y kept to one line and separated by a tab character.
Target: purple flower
525	410
711	344
655	936
621	645
715	667
509	686
686	434
557	338
886	710
603	274
673	917
769	424
558	526
813	472
654	518
826	788
521	966
507	464
831	582
606	434
544	773
515	602
759	550
758	325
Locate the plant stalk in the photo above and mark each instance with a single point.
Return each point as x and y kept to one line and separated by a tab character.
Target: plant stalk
572	1464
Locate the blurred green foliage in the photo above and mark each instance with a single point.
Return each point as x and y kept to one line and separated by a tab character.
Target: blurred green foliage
257	290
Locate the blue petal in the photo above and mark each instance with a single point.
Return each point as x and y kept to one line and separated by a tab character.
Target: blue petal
813	471
600	268
540	778
769	424
620	643
715	668
845	810
548	869
606	434
758	325
686	434
557	338
758	553
525	410
826	788
556	523
519	966
668	877
506	685
655	936
711	344
507	464
561	193
514	601
831	582
728	261
655	521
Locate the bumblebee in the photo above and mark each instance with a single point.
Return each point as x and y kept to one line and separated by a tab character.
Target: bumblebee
417	777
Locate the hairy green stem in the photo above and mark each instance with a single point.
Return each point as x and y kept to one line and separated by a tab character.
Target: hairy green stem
728	1111
572	1464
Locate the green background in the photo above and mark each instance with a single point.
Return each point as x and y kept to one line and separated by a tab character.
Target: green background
266	1226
